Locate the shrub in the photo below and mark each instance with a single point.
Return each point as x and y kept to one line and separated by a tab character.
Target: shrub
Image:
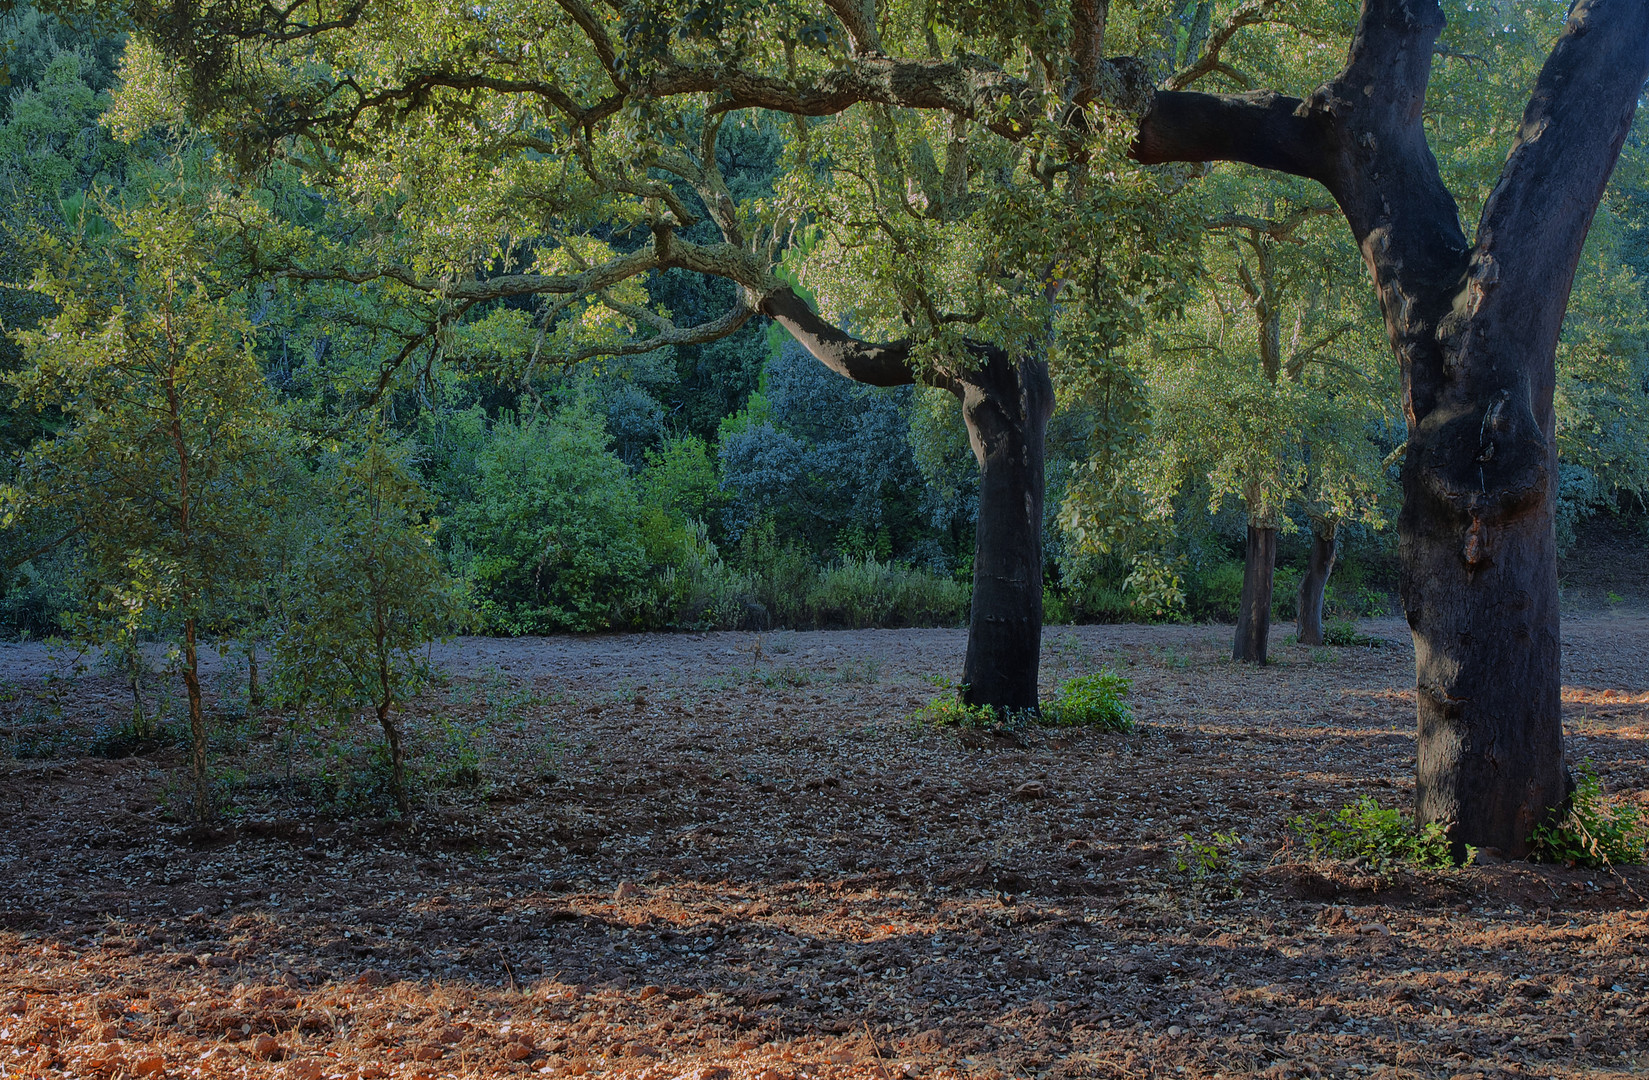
857	593
1592	831
1213	592
1092	701
551	532
1381	837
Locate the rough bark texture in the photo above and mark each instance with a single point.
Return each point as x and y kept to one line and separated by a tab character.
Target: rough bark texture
1474	328
1006	407
1308	611
1254	609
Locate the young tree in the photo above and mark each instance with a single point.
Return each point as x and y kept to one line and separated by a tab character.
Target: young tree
1269	390
1475	327
367	596
159	467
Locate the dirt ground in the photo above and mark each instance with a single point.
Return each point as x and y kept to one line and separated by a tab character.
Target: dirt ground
735	856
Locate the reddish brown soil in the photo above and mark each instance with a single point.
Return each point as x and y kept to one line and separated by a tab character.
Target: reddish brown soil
739	857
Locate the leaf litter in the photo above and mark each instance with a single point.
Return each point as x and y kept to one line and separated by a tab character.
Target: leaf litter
740	860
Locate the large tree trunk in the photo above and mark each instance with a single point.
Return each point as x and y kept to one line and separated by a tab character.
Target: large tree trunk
1254	609
1475	329
1308	611
1006	408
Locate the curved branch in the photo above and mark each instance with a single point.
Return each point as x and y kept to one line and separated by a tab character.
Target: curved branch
714	330
1247	14
858	18
862	361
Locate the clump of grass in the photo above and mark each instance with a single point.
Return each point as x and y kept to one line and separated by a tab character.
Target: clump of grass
1594	830
1342	633
1097	701
950	711
1364	831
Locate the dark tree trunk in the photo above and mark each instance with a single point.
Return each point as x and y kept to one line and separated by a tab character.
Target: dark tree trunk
1475	329
197	724
1308	612
254	689
1006	408
1259	567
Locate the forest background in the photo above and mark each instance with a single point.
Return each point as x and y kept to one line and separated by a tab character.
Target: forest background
209	437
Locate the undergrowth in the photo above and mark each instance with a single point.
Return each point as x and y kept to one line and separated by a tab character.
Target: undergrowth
1381	837
1594	830
1096	701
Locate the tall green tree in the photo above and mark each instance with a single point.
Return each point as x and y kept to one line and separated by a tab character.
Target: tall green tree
159	468
959	174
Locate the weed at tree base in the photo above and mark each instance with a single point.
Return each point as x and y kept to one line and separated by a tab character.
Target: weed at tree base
1094	701
1592	831
1364	831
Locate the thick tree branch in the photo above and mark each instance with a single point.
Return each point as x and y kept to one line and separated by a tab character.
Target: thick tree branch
862	361
1264	129
1088	19
1549	189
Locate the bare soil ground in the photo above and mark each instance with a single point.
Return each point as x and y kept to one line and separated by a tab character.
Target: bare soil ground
730	855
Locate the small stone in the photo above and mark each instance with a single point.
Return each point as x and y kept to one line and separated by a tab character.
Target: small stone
307	1070
428	1052
450	1035
650	992
625	890
371	978
712	1072
517	1051
152	1065
1175	1029
264	1046
1374	928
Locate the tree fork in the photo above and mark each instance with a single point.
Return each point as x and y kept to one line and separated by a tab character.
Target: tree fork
1475	329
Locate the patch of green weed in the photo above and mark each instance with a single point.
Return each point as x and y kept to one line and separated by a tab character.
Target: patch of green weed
1594	830
1209	861
1364	831
1343	633
1097	700
950	711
